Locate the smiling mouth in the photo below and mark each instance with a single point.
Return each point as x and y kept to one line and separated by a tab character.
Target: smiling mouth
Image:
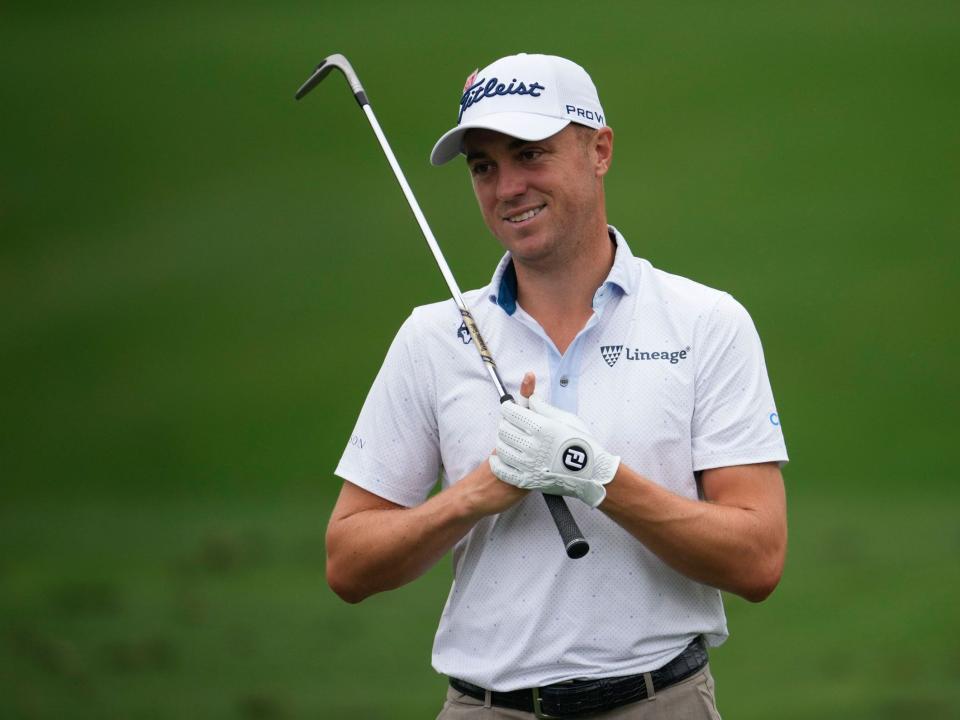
524	216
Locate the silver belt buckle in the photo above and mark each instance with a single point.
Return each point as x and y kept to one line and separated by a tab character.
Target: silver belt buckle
538	707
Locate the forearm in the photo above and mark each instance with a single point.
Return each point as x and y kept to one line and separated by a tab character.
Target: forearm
380	548
738	546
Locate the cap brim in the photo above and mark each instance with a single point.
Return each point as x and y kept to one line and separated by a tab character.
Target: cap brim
525	126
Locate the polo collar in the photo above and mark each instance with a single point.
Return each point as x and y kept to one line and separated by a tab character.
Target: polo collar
624	275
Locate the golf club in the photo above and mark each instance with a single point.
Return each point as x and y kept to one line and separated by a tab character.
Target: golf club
573	540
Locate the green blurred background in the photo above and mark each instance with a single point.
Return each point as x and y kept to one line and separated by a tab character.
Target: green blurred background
199	278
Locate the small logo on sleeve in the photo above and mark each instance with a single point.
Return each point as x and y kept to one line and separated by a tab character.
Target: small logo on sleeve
464	334
774	419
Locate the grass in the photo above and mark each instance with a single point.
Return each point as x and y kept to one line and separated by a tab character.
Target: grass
199	278
218	608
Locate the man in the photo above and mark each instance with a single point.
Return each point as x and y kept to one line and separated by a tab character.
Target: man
656	383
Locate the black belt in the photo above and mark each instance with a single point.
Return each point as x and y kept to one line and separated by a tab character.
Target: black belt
577	697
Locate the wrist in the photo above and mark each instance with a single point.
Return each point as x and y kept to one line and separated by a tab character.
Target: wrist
607	468
480	494
468	502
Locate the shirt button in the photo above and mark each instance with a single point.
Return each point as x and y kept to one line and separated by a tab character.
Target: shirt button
564	381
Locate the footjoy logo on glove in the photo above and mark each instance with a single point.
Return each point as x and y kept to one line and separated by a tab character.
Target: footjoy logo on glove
611	353
574	458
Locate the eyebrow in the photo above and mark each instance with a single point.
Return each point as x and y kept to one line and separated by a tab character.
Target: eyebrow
512	145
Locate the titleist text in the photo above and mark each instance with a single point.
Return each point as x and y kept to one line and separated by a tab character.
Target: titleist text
492	88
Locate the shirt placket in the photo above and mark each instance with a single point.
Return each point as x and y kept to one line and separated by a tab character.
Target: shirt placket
565	368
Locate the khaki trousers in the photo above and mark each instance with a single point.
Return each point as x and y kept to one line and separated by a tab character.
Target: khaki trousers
690	699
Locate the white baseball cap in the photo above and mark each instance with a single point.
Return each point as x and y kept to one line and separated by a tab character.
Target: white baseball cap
530	97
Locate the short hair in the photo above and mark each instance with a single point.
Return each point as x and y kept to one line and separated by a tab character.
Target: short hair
584	133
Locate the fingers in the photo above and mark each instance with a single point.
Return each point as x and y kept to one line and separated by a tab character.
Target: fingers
541	407
511	436
538	405
528	384
519	416
504	472
512	457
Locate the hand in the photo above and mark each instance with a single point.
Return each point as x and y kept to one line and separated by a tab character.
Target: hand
544	448
485	494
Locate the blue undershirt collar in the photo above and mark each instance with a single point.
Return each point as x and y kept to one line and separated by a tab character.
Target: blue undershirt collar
623	276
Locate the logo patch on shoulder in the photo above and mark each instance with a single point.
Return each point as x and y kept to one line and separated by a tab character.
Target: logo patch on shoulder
464	334
611	353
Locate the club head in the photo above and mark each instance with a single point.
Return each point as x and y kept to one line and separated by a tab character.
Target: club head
323	69
339	62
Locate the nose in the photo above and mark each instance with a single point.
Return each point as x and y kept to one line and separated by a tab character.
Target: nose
511	182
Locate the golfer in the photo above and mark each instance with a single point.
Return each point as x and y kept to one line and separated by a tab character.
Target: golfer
643	398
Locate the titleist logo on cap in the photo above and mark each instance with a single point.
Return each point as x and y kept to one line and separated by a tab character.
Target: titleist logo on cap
530	97
483	88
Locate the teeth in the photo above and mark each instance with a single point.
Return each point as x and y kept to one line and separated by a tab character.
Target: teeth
525	216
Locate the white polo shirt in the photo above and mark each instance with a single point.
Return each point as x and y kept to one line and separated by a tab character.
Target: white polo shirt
667	373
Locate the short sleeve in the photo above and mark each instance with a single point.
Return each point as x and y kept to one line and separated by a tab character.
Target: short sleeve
735	420
394	449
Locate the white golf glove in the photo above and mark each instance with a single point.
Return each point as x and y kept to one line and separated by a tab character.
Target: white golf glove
544	448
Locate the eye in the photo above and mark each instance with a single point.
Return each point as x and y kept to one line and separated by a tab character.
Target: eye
530	154
481	167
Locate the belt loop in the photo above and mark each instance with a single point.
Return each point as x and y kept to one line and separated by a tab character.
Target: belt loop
648	681
487	699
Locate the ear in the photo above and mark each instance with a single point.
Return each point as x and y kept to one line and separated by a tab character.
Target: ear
603	150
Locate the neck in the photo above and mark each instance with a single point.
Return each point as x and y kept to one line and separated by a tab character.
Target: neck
559	295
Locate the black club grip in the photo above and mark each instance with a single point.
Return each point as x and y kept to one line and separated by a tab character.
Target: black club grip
573	541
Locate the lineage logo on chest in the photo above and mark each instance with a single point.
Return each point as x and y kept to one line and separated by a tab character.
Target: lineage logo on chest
611	353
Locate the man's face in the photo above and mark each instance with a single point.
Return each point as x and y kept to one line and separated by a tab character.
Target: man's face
540	198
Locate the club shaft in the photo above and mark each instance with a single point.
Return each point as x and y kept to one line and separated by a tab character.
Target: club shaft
434	247
575	544
414	206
